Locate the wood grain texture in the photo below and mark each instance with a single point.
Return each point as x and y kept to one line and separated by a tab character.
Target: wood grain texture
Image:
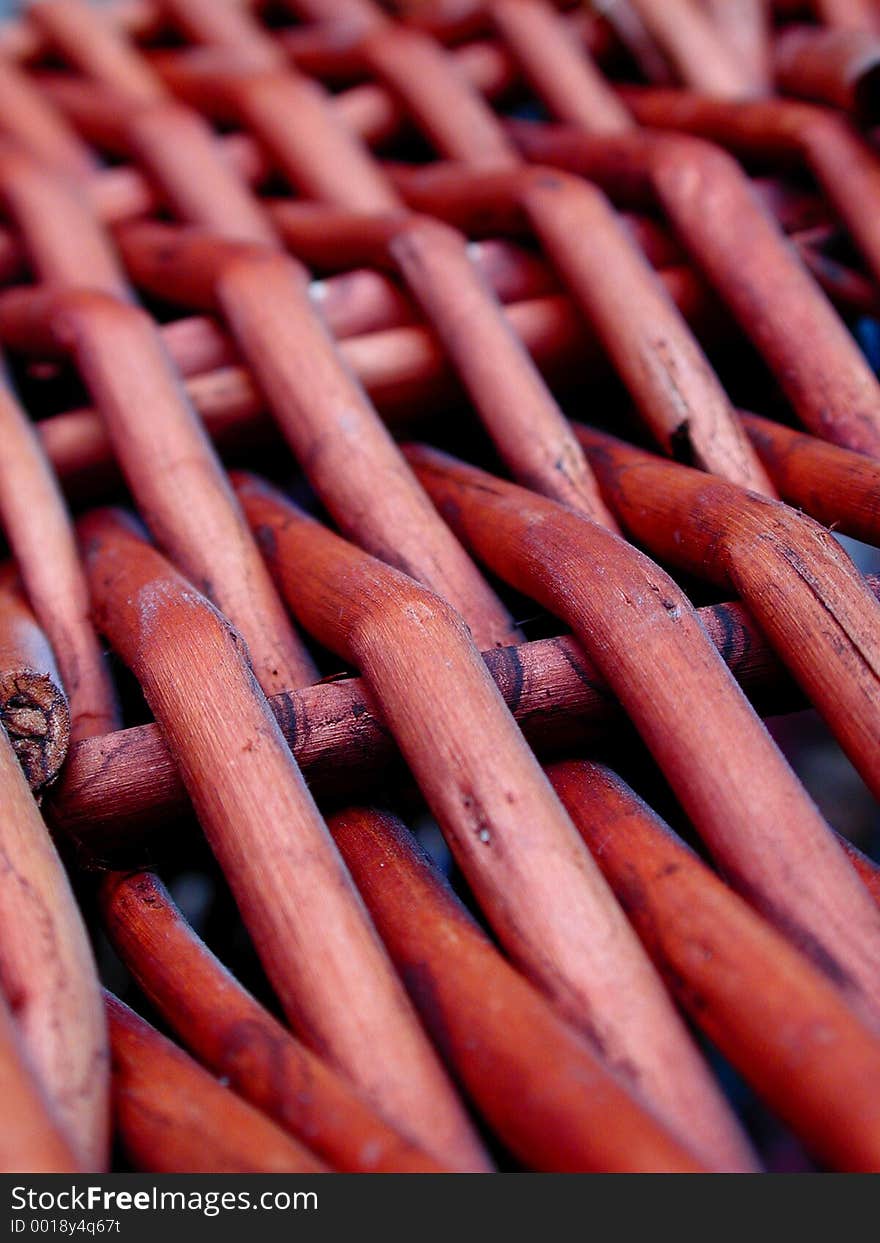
795	578
318	947
484	786
725	769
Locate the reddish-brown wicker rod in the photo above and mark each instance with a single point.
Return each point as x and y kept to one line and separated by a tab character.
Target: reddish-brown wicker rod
837	67
667	374
171	1115
405	371
696	49
27	117
458	122
37	528
544	1092
47	973
515	405
117	788
61	241
794	577
706	196
33	707
175	145
31	1141
292	116
117	350
485	788
838	487
322	411
843	162
231	1033
318	947
646	639
766	1008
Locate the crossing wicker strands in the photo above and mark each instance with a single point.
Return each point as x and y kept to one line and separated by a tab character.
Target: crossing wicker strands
541	1088
117	349
308	925
322	411
613	286
799	584
231	1033
490	797
647	640
705	195
117	789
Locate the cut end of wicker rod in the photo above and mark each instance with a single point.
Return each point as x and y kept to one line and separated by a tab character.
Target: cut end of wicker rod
35	715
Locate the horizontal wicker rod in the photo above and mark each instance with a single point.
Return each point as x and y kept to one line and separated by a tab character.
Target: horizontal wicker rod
793	576
320	408
171	1115
405	371
515	406
320	951
37	529
238	1040
667	374
33	706
769	1011
837	67
725	769
542	1089
535	884
705	195
157	438
31	1141
47	973
117	790
843	162
122	192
